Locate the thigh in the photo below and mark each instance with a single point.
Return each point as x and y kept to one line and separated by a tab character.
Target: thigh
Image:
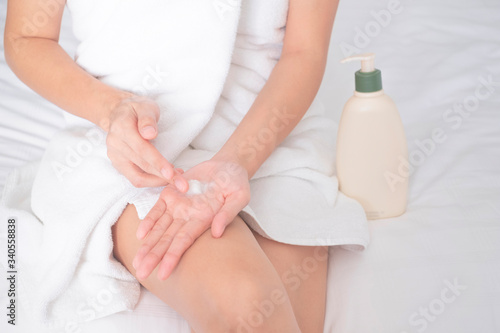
215	277
303	270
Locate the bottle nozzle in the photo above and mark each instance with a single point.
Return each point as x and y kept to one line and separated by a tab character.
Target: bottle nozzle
368	78
367	61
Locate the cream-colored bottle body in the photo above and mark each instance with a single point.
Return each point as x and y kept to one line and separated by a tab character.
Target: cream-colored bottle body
371	155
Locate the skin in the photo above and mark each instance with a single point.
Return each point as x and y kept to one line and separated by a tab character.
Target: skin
206	263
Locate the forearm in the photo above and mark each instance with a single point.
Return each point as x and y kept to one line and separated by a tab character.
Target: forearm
279	107
46	68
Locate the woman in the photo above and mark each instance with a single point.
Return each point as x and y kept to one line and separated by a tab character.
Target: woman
194	251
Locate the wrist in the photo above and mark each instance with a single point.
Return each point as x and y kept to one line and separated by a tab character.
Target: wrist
109	102
233	156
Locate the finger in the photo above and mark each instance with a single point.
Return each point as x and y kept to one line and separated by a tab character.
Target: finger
233	204
121	147
140	151
156	254
148	153
152	238
140	178
129	154
182	241
150	220
181	183
137	176
147	119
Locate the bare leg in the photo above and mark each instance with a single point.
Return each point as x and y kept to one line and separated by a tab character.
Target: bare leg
303	270
219	283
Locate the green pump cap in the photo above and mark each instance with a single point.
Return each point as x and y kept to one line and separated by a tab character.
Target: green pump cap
368	78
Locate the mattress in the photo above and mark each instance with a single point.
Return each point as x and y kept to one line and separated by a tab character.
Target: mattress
434	269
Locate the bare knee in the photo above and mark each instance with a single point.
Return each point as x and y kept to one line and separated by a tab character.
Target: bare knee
246	303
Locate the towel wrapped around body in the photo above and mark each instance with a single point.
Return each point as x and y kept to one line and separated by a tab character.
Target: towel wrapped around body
203	62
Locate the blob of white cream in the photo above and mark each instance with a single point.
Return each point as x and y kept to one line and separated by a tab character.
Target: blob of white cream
196	187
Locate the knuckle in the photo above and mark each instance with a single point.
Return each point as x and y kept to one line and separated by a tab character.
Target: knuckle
154	256
146	112
165	240
143	165
152	109
114	141
167	194
137	181
163	223
141	147
174	256
185	237
147	223
156	210
143	250
158	159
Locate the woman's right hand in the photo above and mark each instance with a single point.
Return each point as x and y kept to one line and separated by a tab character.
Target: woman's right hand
130	126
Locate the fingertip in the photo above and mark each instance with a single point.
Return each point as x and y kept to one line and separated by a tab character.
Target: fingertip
148	132
142	272
215	234
162	276
218	229
163	272
168	173
139	276
181	184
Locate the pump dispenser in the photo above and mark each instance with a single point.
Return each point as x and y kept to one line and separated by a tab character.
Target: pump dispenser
372	153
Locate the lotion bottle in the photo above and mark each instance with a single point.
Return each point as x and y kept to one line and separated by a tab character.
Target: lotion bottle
372	153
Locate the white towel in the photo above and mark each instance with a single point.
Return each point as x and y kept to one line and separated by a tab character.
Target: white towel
204	64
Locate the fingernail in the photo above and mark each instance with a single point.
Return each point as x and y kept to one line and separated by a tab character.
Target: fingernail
163	272
148	131
134	263
167	173
218	233
180	185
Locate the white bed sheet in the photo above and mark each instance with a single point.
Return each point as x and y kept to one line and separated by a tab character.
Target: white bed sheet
433	55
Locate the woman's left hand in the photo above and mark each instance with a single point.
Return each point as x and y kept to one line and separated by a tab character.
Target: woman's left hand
178	219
